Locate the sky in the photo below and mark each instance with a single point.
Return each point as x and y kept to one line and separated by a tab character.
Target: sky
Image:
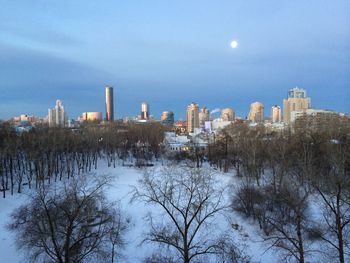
171	53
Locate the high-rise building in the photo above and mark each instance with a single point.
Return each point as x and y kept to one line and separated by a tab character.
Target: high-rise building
276	114
51	117
228	114
192	117
167	118
256	113
57	115
296	101
109	104
145	111
204	115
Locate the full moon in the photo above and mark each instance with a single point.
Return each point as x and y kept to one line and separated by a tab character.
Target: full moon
234	44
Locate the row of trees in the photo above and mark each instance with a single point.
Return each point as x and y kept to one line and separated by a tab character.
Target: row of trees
49	154
295	185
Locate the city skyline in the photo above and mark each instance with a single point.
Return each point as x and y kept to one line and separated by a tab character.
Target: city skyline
295	92
69	51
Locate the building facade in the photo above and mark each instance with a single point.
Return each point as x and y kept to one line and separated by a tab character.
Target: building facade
256	113
109	104
57	116
228	114
168	118
204	116
297	101
318	119
192	117
145	111
276	114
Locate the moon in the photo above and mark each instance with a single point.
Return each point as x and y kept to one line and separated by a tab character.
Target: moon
234	44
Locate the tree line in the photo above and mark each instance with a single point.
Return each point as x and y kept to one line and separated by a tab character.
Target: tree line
49	154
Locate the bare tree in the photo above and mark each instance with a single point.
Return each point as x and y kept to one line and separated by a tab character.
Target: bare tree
117	227
332	185
279	157
229	252
189	200
251	201
253	154
74	224
287	220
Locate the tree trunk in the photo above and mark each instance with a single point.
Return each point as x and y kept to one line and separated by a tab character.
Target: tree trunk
300	240
339	228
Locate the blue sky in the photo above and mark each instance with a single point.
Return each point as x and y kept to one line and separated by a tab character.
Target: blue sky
170	53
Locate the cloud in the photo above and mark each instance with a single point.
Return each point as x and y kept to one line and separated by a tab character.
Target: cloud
38	35
30	77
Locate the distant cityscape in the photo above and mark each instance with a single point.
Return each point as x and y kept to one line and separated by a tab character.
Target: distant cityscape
296	105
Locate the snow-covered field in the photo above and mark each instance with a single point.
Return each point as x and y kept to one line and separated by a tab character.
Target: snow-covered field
120	190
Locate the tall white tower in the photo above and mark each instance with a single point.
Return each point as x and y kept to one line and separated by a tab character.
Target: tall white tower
60	118
109	104
145	111
192	117
57	115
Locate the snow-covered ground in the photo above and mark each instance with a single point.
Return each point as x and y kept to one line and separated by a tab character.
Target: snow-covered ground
120	190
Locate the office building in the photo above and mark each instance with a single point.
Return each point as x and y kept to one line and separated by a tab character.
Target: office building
312	114
109	104
145	111
256	113
192	117
57	115
203	116
167	118
317	119
228	114
276	114
297	101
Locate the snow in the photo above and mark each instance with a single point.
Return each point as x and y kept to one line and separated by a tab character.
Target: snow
8	249
120	190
